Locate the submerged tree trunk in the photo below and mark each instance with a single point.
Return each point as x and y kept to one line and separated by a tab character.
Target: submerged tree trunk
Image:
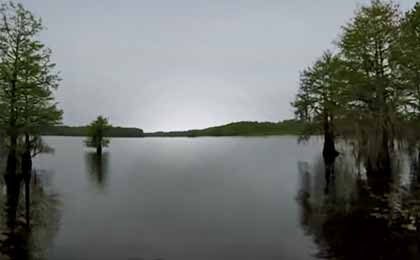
329	176
27	172
11	178
99	150
12	202
12	191
328	152
380	165
378	170
11	158
28	203
26	157
384	158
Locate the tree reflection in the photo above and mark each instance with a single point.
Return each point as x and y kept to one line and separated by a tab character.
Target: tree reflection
28	221
352	216
97	167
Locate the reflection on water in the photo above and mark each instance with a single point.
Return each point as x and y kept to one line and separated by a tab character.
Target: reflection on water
29	217
97	168
225	198
352	216
177	199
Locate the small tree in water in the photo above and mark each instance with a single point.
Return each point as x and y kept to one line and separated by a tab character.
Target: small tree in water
318	101
96	132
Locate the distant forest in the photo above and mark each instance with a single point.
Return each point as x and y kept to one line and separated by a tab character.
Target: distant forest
82	131
245	128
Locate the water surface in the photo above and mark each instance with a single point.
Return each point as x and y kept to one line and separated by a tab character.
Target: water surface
179	198
209	198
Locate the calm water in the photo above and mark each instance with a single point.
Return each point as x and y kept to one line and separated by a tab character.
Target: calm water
178	198
209	198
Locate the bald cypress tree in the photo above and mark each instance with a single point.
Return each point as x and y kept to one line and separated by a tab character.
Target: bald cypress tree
375	94
97	132
407	54
27	80
318	101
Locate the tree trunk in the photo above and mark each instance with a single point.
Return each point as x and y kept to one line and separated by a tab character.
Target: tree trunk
378	183
379	170
12	191
28	203
11	158
383	164
99	150
329	176
27	172
27	158
328	152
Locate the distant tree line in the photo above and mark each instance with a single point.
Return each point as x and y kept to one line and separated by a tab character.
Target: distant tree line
83	131
245	128
367	91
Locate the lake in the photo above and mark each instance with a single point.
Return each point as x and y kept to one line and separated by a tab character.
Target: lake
193	198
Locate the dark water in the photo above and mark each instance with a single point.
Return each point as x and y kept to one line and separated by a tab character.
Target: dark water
212	198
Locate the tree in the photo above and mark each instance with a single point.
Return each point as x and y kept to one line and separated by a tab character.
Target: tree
407	54
318	100
96	132
375	95
27	80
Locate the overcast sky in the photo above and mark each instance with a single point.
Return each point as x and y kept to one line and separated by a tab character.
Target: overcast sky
172	65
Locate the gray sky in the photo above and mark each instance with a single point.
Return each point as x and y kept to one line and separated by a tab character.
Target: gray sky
171	65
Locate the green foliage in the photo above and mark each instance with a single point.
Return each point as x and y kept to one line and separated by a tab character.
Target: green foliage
319	96
374	95
407	54
96	133
369	92
27	76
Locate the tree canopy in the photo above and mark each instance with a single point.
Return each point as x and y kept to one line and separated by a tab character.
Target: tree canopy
368	90
27	80
97	132
319	99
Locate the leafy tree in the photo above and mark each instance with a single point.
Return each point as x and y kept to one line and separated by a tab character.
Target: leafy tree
318	100
27	79
407	54
375	96
96	132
